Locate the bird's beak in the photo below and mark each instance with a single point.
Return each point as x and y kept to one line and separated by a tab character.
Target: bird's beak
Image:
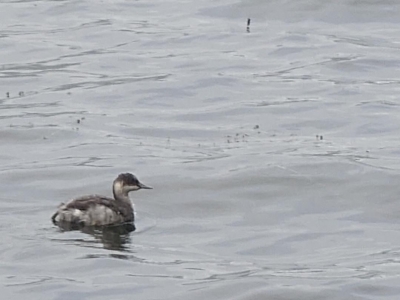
142	186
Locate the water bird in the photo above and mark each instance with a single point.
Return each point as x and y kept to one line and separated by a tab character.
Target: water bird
97	210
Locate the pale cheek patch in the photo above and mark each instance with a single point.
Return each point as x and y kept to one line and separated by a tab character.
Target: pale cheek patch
130	188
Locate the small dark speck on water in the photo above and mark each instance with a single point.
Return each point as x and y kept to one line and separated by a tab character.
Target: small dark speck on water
248	25
8	95
78	121
21	93
256	127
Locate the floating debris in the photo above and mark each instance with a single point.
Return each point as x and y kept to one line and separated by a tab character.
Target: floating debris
8	95
256	127
248	25
21	93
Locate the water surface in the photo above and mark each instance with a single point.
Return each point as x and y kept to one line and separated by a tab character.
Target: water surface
273	153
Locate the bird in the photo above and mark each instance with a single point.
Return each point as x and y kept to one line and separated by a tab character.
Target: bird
97	210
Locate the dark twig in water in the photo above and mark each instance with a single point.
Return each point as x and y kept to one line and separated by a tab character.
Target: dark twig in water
248	25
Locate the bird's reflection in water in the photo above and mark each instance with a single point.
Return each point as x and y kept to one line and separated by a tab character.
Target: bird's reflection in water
114	237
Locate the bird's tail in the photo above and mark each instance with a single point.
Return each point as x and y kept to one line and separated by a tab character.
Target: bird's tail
53	218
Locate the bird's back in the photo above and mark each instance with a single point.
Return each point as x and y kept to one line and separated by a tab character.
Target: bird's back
93	210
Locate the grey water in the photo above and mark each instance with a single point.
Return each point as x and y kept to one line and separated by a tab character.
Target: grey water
274	154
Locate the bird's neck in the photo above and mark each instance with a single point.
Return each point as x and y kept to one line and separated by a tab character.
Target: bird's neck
120	194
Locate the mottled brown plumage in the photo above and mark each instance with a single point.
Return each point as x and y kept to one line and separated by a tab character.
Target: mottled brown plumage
96	210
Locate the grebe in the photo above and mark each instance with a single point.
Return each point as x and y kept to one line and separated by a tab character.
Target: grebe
95	210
